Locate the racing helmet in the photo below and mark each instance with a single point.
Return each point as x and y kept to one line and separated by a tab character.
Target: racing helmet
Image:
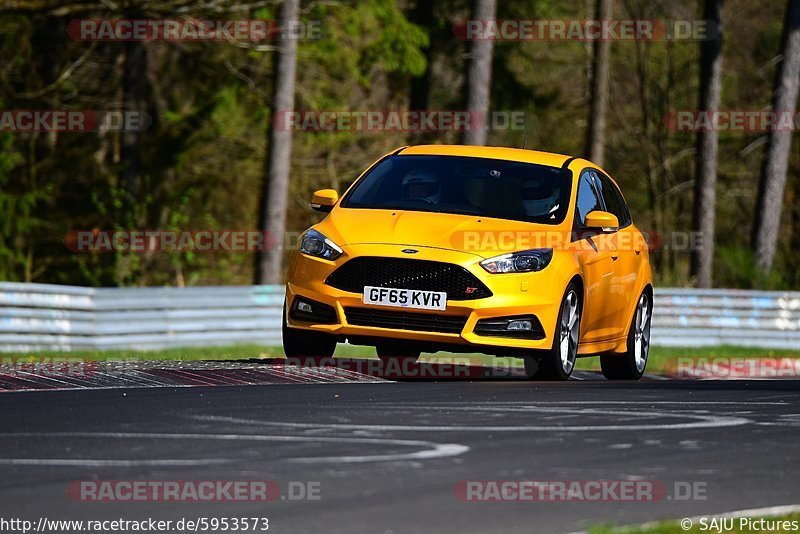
420	185
539	197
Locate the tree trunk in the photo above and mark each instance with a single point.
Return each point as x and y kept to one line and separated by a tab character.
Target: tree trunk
275	190
596	132
776	158
419	90
705	191
793	279
133	95
479	76
420	85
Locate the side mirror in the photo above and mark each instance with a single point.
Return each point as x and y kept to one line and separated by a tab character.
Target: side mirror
602	220
324	200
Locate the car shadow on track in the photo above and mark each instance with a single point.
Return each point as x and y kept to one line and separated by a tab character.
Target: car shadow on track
400	370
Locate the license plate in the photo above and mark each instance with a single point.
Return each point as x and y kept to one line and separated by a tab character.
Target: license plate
405	298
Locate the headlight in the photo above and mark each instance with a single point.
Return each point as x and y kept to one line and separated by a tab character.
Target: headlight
316	244
519	262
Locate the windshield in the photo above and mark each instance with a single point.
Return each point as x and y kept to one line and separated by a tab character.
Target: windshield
465	185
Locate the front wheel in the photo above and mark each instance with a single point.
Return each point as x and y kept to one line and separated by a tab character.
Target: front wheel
558	362
631	365
298	343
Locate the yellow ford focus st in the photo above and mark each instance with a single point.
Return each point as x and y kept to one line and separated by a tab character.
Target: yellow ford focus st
475	249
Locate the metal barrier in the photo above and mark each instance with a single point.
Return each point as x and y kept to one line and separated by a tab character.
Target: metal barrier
707	317
50	317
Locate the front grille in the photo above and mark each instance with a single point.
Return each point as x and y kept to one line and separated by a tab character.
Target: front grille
423	322
424	275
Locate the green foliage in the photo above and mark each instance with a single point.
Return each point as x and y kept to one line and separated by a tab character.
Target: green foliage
366	34
203	157
737	269
19	223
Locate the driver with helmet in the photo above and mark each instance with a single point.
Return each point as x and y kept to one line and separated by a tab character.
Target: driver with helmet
539	197
421	185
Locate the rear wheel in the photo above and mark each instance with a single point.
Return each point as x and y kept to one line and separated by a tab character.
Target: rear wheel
558	362
631	365
298	343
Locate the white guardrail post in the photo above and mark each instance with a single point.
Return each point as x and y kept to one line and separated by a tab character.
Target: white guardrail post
36	317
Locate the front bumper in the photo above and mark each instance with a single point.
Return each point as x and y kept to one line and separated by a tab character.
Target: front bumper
522	294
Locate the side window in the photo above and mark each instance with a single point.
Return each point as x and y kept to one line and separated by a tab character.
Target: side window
613	198
588	199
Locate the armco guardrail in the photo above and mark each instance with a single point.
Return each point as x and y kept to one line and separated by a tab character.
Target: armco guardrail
50	317
706	317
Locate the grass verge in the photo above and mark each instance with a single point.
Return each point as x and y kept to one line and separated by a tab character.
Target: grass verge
660	357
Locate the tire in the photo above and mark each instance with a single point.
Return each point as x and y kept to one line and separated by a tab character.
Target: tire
631	365
559	362
298	343
391	351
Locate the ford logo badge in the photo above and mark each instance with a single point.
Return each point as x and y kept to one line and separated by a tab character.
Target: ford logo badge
409	251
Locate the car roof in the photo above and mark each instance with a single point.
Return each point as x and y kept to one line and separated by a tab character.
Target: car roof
491	152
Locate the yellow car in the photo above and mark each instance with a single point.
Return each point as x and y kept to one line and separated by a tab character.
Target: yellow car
503	251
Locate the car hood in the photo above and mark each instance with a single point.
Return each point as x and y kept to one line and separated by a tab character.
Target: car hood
481	236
